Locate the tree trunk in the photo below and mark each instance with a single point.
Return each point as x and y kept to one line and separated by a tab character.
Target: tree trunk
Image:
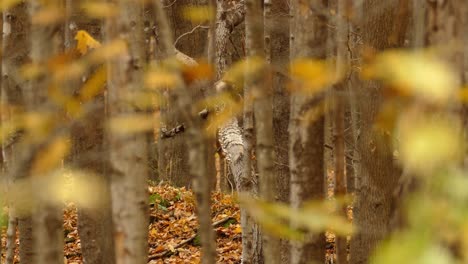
279	59
379	174
306	137
277	53
16	25
197	150
89	152
257	90
340	40
48	215
128	152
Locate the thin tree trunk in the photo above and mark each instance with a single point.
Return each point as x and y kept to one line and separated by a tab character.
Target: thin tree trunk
308	40
379	175
339	120
128	153
258	92
16	25
197	150
11	238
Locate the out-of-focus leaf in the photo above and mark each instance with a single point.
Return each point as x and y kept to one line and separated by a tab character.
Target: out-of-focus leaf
37	124
109	51
463	95
429	143
85	42
418	74
198	14
313	76
69	71
226	107
129	124
94	85
200	71
402	248
49	15
161	79
247	68
32	70
51	156
78	187
100	9
6	4
312	218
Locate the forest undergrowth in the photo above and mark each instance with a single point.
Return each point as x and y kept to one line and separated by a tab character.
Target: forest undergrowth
172	233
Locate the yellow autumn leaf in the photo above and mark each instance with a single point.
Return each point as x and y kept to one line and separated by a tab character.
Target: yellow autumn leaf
313	76
85	42
108	51
32	70
237	73
70	185
98	9
51	156
419	74
428	143
160	79
49	15
6	4
463	95
198	14
94	85
129	124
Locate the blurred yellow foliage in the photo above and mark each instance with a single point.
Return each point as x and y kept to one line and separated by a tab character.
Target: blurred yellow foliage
51	156
429	143
420	74
198	14
100	9
85	42
5	4
313	75
94	85
49	15
130	124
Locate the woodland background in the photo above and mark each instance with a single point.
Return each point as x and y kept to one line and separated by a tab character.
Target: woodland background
244	131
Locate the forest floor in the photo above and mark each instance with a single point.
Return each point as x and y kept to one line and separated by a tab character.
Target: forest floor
172	231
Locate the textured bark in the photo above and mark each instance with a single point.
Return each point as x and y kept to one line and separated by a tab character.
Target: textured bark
308	39
197	150
16	26
174	157
11	238
342	59
258	91
89	153
128	153
379	175
230	135
48	216
277	54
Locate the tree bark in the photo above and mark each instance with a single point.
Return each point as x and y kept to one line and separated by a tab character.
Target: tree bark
48	215
128	153
89	152
277	54
197	150
306	137
16	26
379	175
